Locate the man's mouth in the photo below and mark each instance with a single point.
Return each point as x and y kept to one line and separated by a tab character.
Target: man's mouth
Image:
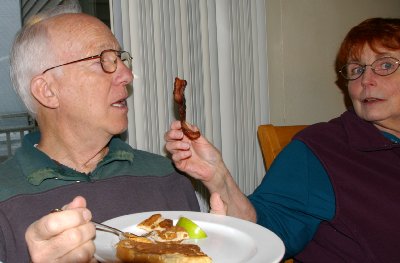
119	104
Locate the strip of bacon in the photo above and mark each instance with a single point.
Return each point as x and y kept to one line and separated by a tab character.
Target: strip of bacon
179	98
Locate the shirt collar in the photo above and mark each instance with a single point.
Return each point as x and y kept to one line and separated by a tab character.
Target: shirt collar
364	136
37	166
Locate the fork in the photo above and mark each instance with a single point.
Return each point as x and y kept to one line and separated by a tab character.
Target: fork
102	227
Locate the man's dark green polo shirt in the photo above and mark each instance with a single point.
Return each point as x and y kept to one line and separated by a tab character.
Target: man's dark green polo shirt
32	171
126	181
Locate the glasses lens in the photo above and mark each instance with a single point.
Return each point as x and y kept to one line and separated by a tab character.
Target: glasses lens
352	71
126	58
385	66
109	60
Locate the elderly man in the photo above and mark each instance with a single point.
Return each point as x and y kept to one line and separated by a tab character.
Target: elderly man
69	70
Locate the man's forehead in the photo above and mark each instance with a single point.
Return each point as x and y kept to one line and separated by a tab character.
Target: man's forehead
88	34
77	26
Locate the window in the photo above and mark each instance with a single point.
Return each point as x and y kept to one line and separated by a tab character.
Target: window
14	121
97	8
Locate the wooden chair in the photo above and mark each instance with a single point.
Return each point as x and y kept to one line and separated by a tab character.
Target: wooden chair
272	139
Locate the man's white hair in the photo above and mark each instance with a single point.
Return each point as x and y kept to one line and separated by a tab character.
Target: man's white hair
31	52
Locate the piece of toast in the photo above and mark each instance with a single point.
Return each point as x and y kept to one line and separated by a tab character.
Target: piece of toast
129	251
161	229
171	234
155	222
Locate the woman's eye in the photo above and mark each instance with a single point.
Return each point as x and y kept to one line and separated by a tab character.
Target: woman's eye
386	65
357	70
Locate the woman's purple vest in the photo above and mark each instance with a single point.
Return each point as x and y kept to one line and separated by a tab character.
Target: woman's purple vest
364	168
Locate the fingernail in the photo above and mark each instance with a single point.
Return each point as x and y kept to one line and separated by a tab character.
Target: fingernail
87	215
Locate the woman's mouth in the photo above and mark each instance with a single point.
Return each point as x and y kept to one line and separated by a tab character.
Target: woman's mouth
371	100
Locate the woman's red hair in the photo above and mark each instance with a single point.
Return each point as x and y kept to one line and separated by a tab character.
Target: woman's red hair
376	32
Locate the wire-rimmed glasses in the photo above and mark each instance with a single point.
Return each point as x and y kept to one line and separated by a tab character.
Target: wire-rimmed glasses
108	59
382	66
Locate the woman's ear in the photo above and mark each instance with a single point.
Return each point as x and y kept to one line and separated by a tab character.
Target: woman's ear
43	92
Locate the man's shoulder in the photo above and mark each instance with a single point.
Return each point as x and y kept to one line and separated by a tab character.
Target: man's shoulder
142	161
11	177
155	162
9	166
142	154
118	145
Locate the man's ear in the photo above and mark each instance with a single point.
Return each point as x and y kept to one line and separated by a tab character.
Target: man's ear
43	92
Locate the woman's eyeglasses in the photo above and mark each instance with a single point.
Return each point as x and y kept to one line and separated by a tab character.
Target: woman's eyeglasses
382	67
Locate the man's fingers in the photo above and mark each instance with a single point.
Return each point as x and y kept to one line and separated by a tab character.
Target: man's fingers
77	240
55	223
77	202
80	244
82	255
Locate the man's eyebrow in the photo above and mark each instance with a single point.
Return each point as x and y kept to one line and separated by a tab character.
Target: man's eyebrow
106	46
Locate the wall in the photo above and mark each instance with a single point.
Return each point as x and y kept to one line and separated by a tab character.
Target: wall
302	41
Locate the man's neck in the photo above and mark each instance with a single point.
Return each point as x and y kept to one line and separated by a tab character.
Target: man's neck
82	155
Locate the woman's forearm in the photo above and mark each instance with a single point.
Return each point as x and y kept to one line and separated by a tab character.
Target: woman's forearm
237	204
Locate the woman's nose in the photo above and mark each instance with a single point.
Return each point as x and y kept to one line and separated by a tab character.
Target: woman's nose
368	75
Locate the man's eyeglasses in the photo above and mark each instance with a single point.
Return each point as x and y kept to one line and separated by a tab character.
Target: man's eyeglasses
382	67
108	59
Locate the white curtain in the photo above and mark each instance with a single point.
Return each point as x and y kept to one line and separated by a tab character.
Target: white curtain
219	47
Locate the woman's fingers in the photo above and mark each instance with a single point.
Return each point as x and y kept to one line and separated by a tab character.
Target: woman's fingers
217	205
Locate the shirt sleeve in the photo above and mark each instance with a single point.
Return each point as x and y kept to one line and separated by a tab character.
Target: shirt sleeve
294	197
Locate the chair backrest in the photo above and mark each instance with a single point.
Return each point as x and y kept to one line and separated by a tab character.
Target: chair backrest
272	139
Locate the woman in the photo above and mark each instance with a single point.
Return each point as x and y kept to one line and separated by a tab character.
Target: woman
332	193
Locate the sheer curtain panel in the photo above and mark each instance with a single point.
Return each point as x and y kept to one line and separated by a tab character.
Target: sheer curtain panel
219	47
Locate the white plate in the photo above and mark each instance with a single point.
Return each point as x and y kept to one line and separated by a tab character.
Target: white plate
229	239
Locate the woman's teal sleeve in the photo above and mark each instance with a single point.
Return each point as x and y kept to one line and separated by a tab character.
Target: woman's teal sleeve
294	197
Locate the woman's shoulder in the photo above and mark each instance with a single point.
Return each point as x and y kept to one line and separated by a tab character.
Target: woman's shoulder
336	127
322	128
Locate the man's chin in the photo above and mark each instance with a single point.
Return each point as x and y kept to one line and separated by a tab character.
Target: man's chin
119	128
121	131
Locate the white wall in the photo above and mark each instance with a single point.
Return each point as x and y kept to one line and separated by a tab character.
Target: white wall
302	40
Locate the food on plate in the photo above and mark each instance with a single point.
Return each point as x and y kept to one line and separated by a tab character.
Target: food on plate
155	222
191	227
172	234
162	229
179	98
137	238
132	251
162	243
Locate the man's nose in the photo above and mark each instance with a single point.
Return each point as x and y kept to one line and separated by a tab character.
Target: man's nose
124	71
